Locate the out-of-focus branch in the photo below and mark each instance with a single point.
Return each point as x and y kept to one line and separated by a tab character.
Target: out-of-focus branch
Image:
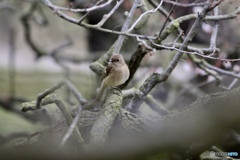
206	122
72	126
233	83
219	70
5	139
70	86
156	106
55	99
150	101
27	31
65	68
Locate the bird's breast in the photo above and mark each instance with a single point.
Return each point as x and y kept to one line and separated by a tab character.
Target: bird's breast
118	76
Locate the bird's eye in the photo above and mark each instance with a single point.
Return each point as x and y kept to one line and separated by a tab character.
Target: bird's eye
114	60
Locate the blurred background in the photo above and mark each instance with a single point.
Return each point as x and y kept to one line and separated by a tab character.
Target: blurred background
24	74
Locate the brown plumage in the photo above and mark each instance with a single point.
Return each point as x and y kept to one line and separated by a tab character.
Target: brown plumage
115	74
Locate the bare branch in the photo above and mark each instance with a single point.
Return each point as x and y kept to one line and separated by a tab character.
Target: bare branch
204	52
150	101
156	78
107	16
56	99
95	7
109	111
145	14
71	127
219	70
168	17
185	4
88	26
70	86
233	83
125	26
214	32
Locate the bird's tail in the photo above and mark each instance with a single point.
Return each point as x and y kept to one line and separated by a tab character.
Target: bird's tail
101	91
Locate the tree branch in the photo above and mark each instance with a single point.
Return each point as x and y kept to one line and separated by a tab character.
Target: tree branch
109	111
156	78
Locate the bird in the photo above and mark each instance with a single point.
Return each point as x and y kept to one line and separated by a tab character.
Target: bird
115	74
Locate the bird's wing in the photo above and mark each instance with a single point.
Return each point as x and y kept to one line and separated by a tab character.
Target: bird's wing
107	71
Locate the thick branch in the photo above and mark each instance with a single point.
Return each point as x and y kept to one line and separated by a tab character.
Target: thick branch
109	111
56	99
208	119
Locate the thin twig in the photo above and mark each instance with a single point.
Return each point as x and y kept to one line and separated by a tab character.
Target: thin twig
155	105
150	101
71	127
66	71
185	4
71	87
125	26
145	14
233	83
219	70
95	7
169	15
201	51
232	15
47	92
107	16
88	26
204	52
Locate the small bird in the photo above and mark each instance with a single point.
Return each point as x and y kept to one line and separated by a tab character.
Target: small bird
115	74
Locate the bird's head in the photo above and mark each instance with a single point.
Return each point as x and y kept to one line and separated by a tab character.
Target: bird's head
117	59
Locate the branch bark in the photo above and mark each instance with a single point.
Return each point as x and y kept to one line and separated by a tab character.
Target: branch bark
108	113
